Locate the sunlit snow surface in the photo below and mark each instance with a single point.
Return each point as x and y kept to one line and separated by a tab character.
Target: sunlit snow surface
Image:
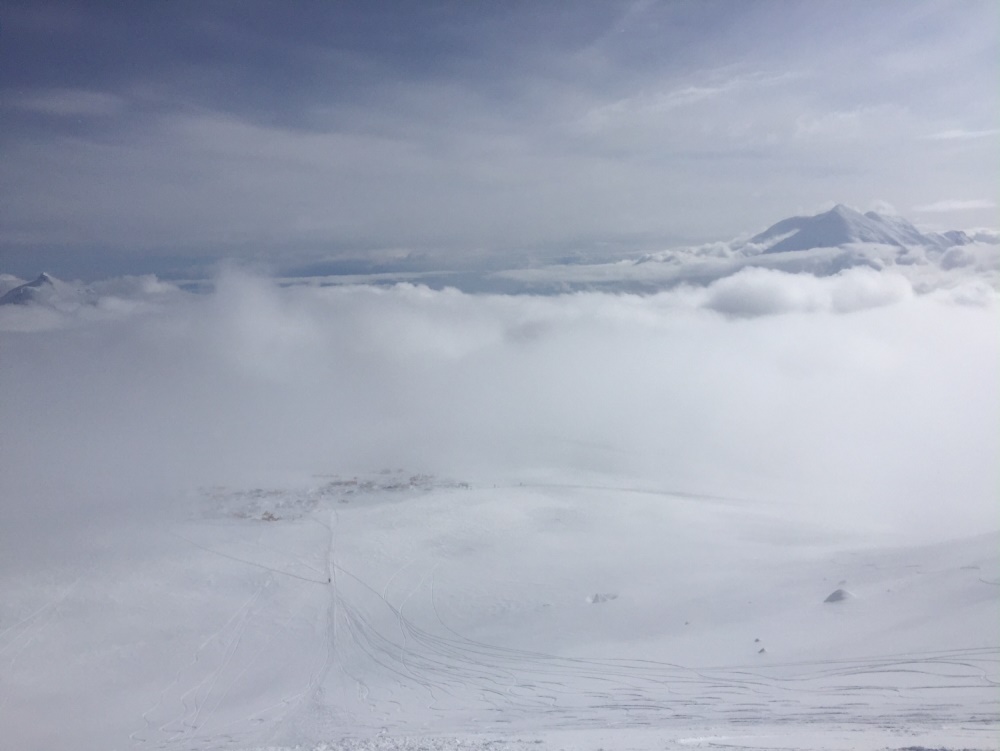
401	519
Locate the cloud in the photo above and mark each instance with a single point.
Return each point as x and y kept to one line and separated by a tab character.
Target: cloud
69	103
876	124
705	86
956	204
883	207
833	407
754	292
959	134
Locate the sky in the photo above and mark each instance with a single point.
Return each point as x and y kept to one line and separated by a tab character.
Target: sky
161	137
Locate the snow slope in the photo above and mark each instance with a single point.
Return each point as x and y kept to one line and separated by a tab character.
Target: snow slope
341	610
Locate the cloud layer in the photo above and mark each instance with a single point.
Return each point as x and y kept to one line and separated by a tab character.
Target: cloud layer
858	404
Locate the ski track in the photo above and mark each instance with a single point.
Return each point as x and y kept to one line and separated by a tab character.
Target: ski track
463	680
378	667
180	723
20	635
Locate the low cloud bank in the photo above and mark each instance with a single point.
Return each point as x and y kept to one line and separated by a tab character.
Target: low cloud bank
925	268
860	404
756	292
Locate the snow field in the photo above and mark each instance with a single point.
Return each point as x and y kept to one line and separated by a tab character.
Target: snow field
468	612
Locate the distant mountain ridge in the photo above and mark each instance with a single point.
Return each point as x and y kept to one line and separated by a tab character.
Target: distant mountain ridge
842	225
822	245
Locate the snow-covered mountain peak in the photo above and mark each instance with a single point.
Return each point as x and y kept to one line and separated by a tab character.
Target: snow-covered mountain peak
40	288
844	211
843	225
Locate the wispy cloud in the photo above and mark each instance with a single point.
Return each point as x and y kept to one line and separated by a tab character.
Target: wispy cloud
69	103
868	123
719	85
699	89
959	134
955	204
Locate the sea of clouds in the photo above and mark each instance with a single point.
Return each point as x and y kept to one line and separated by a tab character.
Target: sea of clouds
852	399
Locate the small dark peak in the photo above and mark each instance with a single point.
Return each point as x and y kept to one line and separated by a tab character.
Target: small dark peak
762	651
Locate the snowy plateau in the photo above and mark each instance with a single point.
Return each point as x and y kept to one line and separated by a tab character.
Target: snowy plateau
736	496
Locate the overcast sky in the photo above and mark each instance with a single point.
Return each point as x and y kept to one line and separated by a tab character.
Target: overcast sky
142	135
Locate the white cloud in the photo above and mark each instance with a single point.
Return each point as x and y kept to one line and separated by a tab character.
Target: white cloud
959	134
883	207
872	124
956	204
754	292
254	380
665	105
69	103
